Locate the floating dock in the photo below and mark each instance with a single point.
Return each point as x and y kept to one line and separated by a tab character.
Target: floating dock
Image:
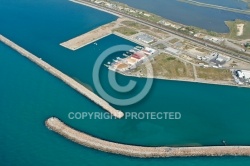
81	138
68	80
92	36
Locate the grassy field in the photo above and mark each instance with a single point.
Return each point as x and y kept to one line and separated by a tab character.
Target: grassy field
233	29
135	25
214	74
202	50
125	31
151	33
169	67
172	41
160	46
247	45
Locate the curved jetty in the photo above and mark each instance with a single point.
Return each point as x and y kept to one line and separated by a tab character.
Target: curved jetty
139	151
68	80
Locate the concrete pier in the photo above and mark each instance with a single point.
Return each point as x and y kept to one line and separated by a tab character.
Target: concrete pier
68	80
92	36
139	151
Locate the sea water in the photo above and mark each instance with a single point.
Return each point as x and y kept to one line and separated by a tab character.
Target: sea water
29	95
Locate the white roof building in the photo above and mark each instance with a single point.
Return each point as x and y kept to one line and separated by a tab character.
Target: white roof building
220	59
243	74
149	51
99	2
246	74
145	38
172	50
146	14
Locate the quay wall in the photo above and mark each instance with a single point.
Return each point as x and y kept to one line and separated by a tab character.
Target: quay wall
92	36
84	139
68	80
78	42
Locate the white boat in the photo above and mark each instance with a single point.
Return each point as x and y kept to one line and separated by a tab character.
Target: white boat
108	63
136	49
125	55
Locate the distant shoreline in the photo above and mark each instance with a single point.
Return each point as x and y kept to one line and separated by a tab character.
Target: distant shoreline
84	4
200	80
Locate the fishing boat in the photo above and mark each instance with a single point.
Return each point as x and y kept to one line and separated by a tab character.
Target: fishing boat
133	51
136	49
106	65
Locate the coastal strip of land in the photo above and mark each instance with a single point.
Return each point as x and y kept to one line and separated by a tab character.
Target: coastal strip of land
216	7
68	80
92	36
110	12
232	53
84	139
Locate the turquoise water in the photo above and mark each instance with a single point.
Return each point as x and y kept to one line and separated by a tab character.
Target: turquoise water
29	95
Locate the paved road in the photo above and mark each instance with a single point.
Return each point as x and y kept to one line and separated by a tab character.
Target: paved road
230	53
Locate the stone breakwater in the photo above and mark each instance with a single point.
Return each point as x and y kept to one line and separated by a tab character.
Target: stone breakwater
68	80
139	151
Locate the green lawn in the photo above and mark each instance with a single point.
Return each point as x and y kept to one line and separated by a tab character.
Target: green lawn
233	29
135	25
214	74
125	31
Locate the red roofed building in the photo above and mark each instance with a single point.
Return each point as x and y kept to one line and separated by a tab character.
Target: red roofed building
136	56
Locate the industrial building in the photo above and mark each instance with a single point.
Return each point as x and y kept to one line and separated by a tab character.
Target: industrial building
218	59
145	38
244	74
148	51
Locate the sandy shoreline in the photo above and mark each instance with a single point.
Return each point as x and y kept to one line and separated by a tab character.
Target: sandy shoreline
240	28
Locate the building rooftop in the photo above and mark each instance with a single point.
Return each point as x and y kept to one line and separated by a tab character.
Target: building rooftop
145	38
